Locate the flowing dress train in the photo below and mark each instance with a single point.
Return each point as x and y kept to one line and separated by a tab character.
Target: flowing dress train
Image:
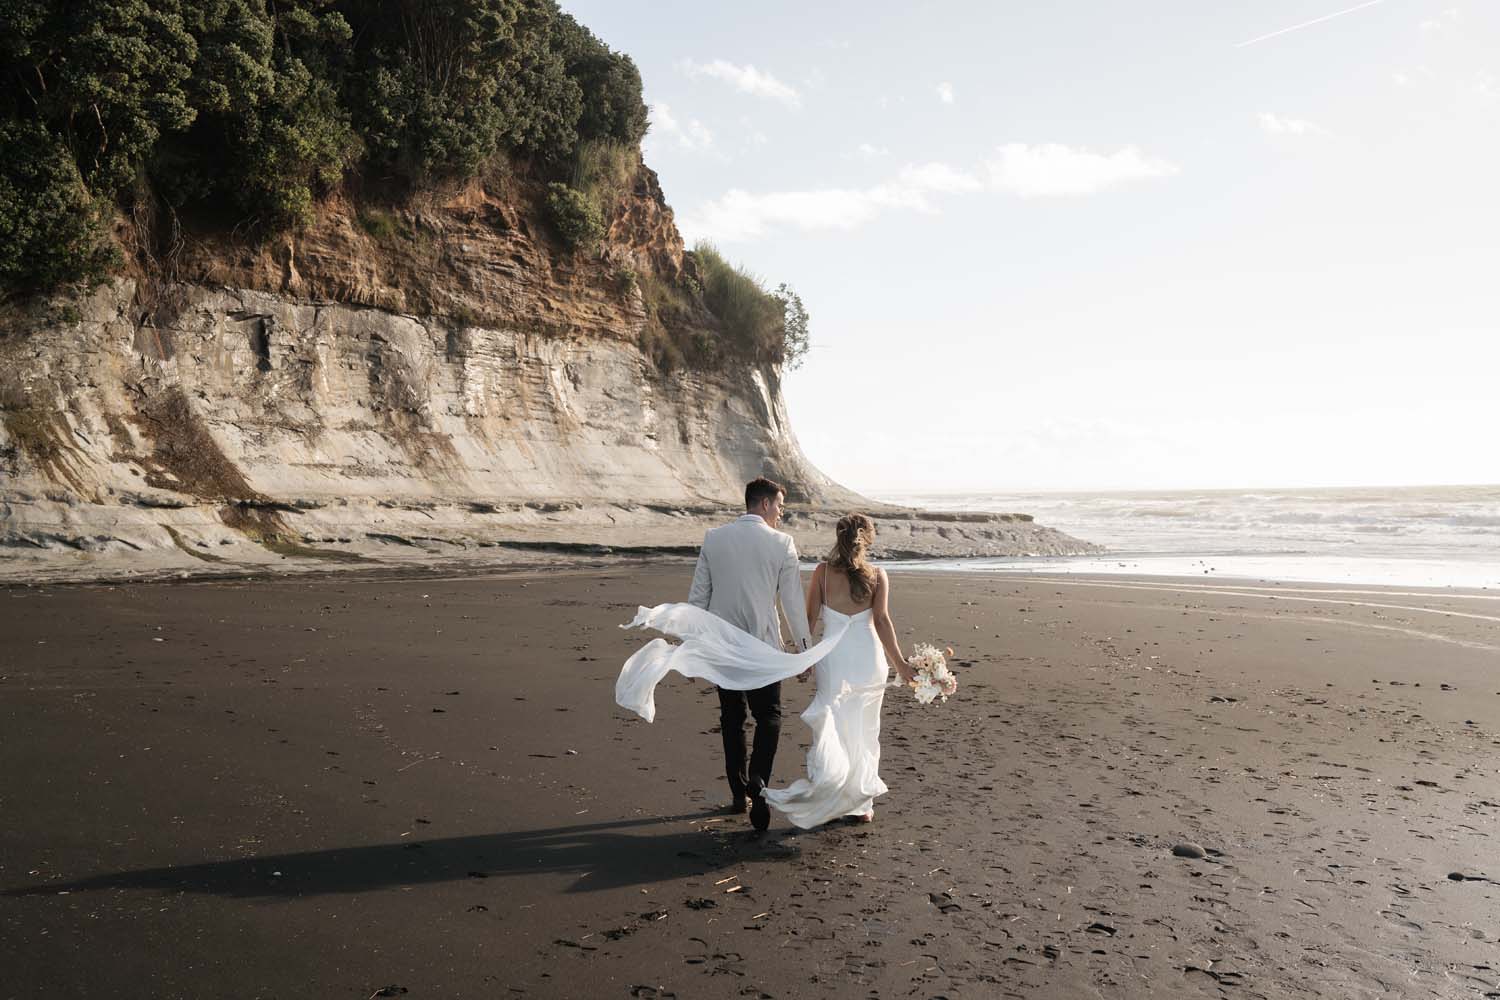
844	760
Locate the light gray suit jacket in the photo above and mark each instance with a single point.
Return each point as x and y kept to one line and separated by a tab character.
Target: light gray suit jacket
743	567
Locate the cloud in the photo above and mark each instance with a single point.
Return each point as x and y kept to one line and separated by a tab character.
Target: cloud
1413	76
693	135
746	79
1277	125
1450	16
1053	170
1017	169
937	178
1473	81
742	215
870	151
945	92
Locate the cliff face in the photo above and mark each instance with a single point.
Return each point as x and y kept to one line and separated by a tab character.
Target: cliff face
395	384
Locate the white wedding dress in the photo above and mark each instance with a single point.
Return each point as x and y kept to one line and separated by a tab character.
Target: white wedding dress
843	763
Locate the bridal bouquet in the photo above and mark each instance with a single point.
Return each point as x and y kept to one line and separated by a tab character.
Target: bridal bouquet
934	681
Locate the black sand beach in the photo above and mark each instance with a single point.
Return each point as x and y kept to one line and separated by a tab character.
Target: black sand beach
345	787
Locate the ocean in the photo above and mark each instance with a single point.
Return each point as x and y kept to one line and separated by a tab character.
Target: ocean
1419	536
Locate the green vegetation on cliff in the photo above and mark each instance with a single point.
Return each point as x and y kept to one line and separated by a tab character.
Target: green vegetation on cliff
248	110
757	323
239	115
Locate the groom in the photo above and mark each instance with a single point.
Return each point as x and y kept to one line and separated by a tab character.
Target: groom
743	567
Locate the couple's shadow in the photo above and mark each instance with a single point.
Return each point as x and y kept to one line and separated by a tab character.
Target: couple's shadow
601	855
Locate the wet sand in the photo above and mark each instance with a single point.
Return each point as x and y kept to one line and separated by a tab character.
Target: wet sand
421	787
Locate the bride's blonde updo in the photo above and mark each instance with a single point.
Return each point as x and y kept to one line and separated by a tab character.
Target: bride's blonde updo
855	533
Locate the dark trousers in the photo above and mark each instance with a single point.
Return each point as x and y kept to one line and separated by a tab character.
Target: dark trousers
765	705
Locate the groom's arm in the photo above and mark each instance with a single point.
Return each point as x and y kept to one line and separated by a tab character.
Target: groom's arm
703	586
793	600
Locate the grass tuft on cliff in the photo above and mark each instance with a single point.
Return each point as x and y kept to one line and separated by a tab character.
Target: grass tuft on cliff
758	324
604	170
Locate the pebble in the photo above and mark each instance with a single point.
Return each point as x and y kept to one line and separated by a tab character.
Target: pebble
1189	851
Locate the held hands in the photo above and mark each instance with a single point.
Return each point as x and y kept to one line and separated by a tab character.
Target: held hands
792	646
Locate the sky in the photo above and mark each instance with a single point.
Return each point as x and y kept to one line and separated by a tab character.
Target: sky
1091	246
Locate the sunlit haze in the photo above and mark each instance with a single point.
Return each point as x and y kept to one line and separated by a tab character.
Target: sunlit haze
1095	246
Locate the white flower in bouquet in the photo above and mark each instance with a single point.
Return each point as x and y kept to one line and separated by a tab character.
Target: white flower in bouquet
933	681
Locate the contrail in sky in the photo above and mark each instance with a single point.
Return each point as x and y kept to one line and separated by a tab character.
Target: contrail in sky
1304	24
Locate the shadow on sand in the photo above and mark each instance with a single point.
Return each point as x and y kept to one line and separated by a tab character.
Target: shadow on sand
602	855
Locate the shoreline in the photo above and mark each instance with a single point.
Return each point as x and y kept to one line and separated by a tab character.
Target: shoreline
573	559
336	786
1271	588
1374	571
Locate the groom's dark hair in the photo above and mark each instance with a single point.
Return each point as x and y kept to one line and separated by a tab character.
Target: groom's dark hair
760	489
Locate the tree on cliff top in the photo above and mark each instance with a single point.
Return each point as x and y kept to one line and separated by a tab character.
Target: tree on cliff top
90	90
247	111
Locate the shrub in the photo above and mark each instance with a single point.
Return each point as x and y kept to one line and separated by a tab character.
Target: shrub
378	223
424	135
108	77
612	107
673	333
300	148
657	345
272	132
575	217
540	105
52	231
429	72
627	280
463	315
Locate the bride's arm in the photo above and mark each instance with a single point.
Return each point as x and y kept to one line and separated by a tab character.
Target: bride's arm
814	610
815	598
886	629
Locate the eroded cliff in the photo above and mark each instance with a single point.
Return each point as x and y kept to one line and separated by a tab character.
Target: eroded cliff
431	380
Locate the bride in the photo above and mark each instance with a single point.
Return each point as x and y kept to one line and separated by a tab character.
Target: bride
851	662
843	764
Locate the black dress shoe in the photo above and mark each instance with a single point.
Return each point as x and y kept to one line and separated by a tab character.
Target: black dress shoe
738	806
760	812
